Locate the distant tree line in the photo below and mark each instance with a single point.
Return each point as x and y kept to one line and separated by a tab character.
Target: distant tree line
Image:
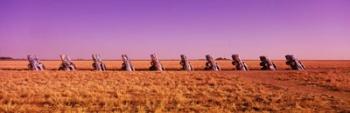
222	58
6	58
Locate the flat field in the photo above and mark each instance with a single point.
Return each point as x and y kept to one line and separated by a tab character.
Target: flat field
323	87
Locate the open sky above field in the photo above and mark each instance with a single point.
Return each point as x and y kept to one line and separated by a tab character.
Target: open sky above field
310	29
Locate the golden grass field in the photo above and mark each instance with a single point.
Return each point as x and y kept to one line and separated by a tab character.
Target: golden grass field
323	87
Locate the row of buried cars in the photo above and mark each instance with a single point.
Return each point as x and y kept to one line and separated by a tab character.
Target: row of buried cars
155	65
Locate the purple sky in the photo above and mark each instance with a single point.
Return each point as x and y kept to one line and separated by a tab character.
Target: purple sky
310	29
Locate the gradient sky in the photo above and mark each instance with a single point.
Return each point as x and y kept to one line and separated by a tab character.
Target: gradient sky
309	29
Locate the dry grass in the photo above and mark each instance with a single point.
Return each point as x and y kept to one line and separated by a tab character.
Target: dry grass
323	88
